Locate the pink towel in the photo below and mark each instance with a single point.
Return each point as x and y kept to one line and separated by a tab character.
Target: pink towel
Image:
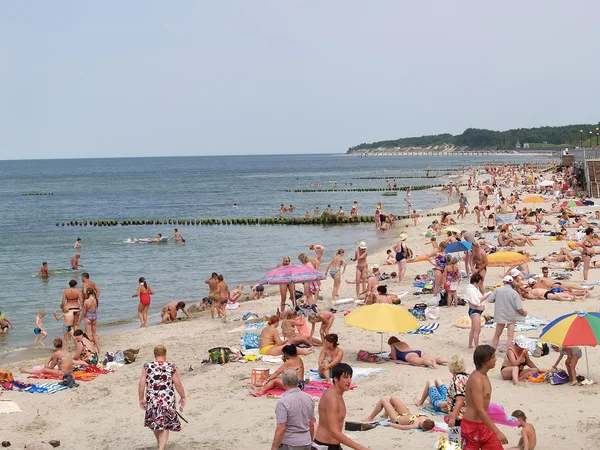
314	389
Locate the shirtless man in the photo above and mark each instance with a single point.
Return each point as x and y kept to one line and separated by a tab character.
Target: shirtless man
87	283
480	261
213	293
176	235
44	270
157	238
354	210
169	312
315	261
530	292
332	413
372	282
548	283
72	299
75	262
224	295
360	256
504	207
477	429
382	297
77	243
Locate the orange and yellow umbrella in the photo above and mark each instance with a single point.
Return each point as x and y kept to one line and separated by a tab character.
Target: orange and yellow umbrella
534	199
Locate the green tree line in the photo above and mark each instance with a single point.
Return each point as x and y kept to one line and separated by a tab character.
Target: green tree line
476	138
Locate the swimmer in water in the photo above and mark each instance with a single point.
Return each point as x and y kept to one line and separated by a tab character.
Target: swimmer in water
77	243
75	262
234	205
44	270
157	238
176	235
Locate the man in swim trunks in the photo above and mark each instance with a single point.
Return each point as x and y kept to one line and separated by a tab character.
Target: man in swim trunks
332	413
480	261
75	262
548	283
72	299
477	429
87	283
213	293
530	292
169	312
44	270
176	235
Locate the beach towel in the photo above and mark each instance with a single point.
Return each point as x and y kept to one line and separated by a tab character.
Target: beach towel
357	372
314	389
43	388
88	374
9	407
428	409
502	219
426	329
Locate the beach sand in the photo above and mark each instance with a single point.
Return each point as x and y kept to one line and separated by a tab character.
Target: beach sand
104	413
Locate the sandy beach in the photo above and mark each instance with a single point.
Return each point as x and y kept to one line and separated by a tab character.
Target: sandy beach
104	413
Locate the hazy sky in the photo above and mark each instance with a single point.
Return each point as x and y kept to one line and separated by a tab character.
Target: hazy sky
145	78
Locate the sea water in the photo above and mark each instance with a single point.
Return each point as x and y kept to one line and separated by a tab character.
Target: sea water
180	188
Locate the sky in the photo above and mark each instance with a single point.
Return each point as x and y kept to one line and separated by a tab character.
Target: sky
154	78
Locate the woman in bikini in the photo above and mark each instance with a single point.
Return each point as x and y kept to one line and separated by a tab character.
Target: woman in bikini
90	316
271	343
491	223
86	353
400	416
336	268
401	256
326	318
331	355
401	351
285	288
288	327
438	259
360	256
587	251
291	360
311	288
513	366
60	358
143	292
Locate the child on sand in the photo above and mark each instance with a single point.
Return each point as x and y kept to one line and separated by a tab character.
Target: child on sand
573	355
414	216
68	326
528	438
39	329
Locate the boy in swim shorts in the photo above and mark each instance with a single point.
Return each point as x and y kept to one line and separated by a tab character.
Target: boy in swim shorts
39	329
68	316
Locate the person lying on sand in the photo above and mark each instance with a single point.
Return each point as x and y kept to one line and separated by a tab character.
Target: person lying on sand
169	312
291	360
532	293
271	343
399	415
401	351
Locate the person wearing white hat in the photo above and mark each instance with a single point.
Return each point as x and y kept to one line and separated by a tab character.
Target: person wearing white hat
508	310
401	255
360	256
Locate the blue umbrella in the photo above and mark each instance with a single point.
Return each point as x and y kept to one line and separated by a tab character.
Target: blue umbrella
458	246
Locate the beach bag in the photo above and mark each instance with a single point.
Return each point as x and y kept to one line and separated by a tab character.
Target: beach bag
555	378
130	355
365	356
443	299
419	311
251	340
219	355
6	376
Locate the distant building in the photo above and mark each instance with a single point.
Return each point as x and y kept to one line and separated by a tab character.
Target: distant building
526	145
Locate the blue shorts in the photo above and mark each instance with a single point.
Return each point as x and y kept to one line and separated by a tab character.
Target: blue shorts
37	331
474	311
437	395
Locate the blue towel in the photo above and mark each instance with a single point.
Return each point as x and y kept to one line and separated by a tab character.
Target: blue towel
426	329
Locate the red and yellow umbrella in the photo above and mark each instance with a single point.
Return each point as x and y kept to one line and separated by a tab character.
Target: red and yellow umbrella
577	328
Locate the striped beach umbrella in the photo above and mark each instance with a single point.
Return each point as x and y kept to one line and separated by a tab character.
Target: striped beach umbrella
579	328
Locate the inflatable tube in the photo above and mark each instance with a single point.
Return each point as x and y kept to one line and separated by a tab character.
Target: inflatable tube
465	321
342	301
499	416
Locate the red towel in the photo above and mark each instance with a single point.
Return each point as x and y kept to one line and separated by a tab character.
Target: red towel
88	374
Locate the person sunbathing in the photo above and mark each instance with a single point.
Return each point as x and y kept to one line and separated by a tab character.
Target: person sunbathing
399	415
400	350
574	264
291	360
533	293
288	326
382	297
271	343
513	366
61	362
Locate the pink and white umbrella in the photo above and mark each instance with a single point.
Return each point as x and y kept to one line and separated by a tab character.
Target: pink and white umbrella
292	274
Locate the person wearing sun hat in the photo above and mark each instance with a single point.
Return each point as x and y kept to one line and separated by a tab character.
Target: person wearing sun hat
360	256
508	310
401	255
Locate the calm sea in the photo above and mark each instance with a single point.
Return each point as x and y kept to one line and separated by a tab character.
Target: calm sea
177	188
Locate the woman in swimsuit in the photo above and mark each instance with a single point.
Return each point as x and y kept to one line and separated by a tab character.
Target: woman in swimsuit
331	355
86	353
311	289
291	360
587	252
326	318
513	366
336	268
400	350
360	256
143	292
451	281
401	256
90	316
60	358
285	288
438	259
288	327
491	223
400	416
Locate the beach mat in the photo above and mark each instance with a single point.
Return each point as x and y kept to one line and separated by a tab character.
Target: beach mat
43	388
88	374
426	329
9	407
314	389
